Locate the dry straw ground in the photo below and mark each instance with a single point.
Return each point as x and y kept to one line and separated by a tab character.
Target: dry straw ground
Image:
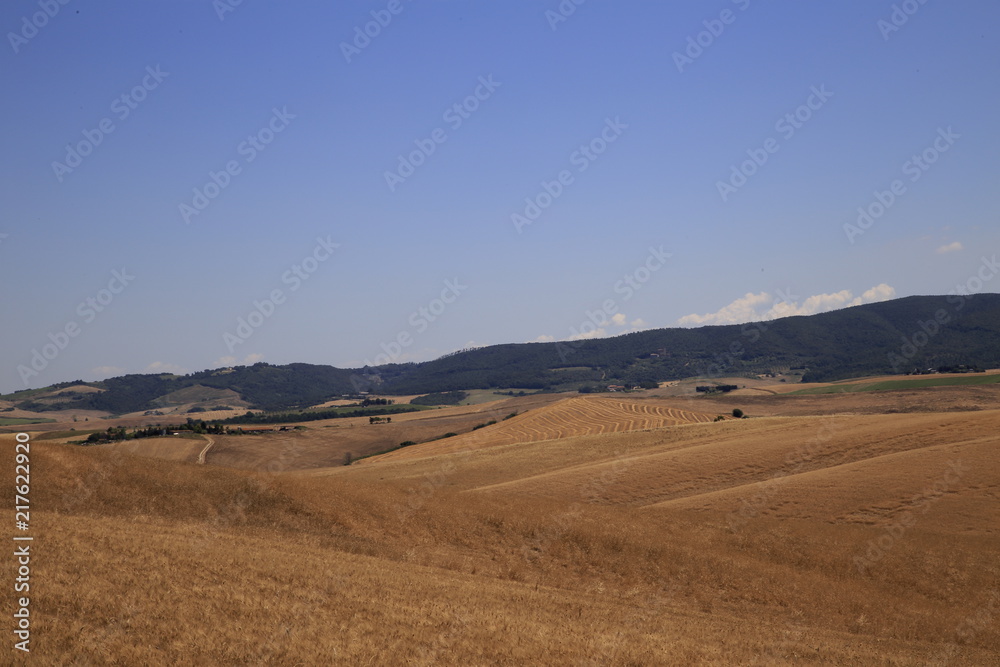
836	538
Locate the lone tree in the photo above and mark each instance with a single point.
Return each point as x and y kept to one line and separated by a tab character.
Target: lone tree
737	413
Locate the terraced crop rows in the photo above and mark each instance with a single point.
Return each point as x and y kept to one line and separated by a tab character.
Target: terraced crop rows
584	416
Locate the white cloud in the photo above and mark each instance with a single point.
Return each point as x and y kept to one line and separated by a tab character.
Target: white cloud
618	324
763	306
233	361
818	303
162	367
593	333
951	247
881	292
744	309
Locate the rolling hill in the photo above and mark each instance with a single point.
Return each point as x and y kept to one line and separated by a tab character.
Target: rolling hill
566	418
888	337
816	539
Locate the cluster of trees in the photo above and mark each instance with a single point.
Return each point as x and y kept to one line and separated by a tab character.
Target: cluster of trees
315	415
120	433
441	398
115	434
713	388
376	401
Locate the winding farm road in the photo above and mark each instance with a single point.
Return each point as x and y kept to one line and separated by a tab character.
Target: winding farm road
204	451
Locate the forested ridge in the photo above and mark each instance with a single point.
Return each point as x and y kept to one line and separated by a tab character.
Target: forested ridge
881	338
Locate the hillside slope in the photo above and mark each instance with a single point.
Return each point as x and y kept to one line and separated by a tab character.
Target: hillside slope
834	345
873	339
613	548
569	417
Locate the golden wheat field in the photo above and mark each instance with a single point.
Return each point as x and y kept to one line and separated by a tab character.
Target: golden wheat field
570	417
583	531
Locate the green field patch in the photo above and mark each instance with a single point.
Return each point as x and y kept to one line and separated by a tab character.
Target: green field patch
894	385
440	398
197	394
478	396
14	421
24	394
56	435
354	411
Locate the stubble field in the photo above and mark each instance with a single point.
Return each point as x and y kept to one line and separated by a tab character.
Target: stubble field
832	538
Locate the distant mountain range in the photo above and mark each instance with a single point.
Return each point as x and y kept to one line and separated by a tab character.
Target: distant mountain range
895	336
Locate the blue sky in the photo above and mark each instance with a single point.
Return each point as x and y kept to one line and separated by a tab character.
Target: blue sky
642	124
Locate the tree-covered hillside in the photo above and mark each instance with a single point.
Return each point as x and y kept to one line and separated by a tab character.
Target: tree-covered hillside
262	386
889	337
881	338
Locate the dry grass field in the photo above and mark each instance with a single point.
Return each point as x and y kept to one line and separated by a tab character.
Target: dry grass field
588	531
928	399
169	448
326	443
567	418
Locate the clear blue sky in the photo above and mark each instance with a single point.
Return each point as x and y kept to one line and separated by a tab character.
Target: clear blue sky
197	86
